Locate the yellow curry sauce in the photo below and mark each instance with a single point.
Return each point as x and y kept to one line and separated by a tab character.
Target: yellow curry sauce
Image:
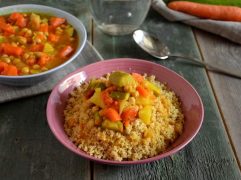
31	43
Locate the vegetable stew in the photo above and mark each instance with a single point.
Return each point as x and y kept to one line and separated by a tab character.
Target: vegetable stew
31	43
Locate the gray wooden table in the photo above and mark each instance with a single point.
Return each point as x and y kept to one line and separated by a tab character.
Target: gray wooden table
28	150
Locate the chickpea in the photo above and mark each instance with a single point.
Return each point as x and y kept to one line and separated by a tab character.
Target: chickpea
25	70
44	69
16	61
34	71
36	66
6	59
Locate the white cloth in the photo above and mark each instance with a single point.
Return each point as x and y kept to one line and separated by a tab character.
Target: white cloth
226	29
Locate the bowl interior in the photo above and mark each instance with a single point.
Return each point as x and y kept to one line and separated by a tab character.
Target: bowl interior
191	103
76	23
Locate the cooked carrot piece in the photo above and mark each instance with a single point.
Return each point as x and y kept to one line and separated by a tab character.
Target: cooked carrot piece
56	21
67	50
43	60
53	37
12	50
44	28
18	19
36	47
3	67
129	114
6	27
138	77
11	70
110	114
142	91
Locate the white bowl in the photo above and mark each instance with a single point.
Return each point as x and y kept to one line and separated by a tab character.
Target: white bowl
27	80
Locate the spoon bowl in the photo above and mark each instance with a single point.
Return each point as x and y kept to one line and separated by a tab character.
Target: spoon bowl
153	46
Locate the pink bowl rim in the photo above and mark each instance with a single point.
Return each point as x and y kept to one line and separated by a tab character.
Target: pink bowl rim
111	162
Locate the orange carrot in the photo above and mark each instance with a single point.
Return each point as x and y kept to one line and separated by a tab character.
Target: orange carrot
56	21
142	91
36	47
44	28
11	70
138	77
6	27
111	114
53	37
216	12
7	69
18	19
106	98
129	115
12	50
3	67
67	50
43	60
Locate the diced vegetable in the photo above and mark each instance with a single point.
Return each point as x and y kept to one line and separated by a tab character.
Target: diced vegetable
153	87
117	95
96	84
70	31
56	21
129	114
11	50
2	39
106	98
122	105
35	21
145	114
110	114
144	101
67	50
44	27
97	98
48	48
97	118
116	126
138	77
142	91
53	37
8	69
43	60
122	79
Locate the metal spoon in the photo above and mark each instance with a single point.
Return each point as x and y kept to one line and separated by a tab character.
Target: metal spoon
156	48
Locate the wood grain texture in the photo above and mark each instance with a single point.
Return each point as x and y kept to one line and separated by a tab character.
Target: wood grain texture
209	155
28	149
225	54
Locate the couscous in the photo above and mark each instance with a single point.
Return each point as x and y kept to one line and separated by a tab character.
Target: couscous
123	117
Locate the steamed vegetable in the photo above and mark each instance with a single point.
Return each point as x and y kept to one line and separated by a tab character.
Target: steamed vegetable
122	100
116	126
122	79
97	99
145	114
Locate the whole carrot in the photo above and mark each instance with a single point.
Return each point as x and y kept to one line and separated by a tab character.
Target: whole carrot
216	12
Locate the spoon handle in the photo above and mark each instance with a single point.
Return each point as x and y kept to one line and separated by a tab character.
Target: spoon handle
208	66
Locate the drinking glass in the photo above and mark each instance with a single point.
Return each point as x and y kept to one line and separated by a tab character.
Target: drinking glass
119	17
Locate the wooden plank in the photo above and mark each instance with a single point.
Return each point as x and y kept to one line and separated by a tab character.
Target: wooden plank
28	148
225	54
209	155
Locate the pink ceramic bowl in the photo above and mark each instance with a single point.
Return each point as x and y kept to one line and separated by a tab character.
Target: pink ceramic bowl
191	102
